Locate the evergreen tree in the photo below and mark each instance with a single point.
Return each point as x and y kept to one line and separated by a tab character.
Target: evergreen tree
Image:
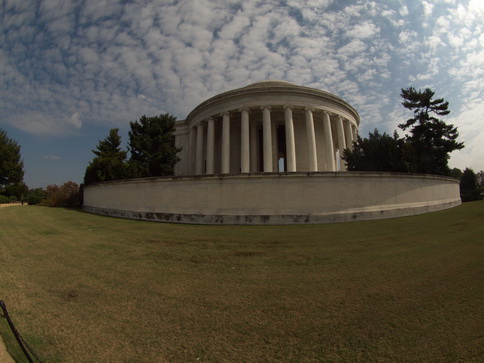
469	189
19	190
11	164
109	162
456	173
431	139
378	152
152	146
468	181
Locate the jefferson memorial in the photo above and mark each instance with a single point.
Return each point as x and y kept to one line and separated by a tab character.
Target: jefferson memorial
270	153
270	126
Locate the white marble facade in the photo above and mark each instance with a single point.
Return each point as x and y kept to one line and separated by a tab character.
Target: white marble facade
266	127
269	153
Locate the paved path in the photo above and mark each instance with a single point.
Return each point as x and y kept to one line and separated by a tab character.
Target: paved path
4	356
11	204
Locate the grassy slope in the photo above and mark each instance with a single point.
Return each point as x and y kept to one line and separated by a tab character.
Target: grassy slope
83	287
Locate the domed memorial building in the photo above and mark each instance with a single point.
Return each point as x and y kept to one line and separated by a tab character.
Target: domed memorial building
270	126
270	153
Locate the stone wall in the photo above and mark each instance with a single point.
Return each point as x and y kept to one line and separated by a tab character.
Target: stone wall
277	198
13	204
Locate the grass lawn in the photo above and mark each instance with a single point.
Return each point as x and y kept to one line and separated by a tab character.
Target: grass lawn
87	288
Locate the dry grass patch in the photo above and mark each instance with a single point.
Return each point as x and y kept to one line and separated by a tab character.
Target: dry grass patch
88	288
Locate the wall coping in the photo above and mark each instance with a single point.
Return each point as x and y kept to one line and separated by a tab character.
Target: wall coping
298	174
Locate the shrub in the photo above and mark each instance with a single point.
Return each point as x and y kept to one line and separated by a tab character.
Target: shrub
469	190
13	198
4	199
34	200
470	196
66	195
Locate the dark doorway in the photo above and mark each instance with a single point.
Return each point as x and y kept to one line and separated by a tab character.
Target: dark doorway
281	146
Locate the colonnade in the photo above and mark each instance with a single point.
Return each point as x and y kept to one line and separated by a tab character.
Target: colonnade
257	125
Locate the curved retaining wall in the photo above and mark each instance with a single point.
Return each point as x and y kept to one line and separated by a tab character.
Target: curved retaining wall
278	198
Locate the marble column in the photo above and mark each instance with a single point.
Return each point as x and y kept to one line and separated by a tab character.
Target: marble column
348	134
311	140
355	131
210	145
253	146
267	138
244	141
275	147
192	150
199	155
341	140
226	143
290	141
328	141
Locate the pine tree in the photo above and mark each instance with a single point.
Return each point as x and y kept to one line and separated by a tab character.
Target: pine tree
431	140
378	152
11	164
110	160
469	188
152	146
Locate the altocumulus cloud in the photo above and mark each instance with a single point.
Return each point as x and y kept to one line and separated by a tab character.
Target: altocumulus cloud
68	65
51	157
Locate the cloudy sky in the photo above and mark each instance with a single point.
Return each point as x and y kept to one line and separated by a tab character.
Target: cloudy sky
70	70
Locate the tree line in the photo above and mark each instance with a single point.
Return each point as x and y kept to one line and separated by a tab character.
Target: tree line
12	186
425	149
152	152
151	146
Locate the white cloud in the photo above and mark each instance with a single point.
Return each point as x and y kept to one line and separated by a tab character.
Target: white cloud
51	157
117	62
363	31
39	123
403	11
234	28
471	131
75	121
428	8
476	7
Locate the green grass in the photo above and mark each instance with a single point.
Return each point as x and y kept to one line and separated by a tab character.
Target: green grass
87	288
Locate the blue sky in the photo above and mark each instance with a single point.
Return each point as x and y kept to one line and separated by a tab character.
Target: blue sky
70	70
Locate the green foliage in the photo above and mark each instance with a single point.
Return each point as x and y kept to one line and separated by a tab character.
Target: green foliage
470	196
4	199
425	150
456	173
109	162
36	196
152	146
39	192
34	200
66	195
379	152
431	139
19	190
469	189
468	181
11	165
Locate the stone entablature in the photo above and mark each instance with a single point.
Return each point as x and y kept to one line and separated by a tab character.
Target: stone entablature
270	126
